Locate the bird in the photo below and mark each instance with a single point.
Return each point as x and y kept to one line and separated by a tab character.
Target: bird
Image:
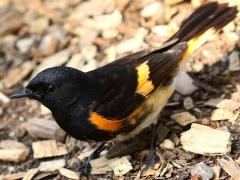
122	98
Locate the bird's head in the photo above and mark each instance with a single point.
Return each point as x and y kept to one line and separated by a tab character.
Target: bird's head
57	86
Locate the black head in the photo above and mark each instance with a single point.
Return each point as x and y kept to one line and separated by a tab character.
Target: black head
57	86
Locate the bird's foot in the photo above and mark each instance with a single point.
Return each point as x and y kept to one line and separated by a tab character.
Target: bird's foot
151	159
85	168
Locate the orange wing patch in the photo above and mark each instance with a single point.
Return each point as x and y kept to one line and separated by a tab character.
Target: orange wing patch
145	85
105	124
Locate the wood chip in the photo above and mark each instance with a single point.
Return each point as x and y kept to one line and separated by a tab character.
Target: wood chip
184	84
18	74
76	61
151	9
184	118
4	99
202	139
133	43
88	52
92	8
236	96
172	2
224	114
48	44
13	176
109	33
56	59
232	168
188	103
44	128
69	173
13	151
234	61
229	104
197	3
10	22
44	110
213	102
48	148
24	45
167	143
52	165
101	165
30	174
216	171
108	21
121	166
38	25
202	170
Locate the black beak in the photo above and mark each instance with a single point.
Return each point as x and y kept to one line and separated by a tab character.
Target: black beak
22	93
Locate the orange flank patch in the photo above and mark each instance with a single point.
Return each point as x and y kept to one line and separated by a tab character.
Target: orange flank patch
105	124
145	85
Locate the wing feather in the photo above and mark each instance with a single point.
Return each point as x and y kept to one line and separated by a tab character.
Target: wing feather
127	83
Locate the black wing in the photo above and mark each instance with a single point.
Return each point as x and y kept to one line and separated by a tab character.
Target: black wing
124	84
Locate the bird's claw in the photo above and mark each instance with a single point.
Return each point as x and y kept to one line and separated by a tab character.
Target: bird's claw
85	168
151	159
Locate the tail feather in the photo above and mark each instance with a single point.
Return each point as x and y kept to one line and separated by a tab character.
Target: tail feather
201	24
211	15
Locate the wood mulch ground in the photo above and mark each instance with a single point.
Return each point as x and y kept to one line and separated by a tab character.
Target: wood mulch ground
198	131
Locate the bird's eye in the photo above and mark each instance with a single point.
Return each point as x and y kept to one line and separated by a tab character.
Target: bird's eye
51	88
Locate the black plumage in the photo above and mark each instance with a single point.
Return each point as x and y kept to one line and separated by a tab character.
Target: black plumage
97	105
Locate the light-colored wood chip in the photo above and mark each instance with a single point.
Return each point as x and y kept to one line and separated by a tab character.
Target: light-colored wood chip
13	176
184	84
48	148
76	61
4	99
87	151
188	103
232	168
216	171
202	139
172	2
236	96
167	143
44	110
202	170
213	102
30	174
13	151
151	9
10	22
106	21
56	59
14	155
224	114
234	61
52	165
184	118
18	74
48	44
101	165
44	128
69	173
121	166
229	105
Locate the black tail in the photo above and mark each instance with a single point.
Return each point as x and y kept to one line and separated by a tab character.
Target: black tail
211	15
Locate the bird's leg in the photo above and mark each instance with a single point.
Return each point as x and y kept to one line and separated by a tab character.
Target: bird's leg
151	156
85	168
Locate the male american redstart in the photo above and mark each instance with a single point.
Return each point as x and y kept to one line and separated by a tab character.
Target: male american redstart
122	98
